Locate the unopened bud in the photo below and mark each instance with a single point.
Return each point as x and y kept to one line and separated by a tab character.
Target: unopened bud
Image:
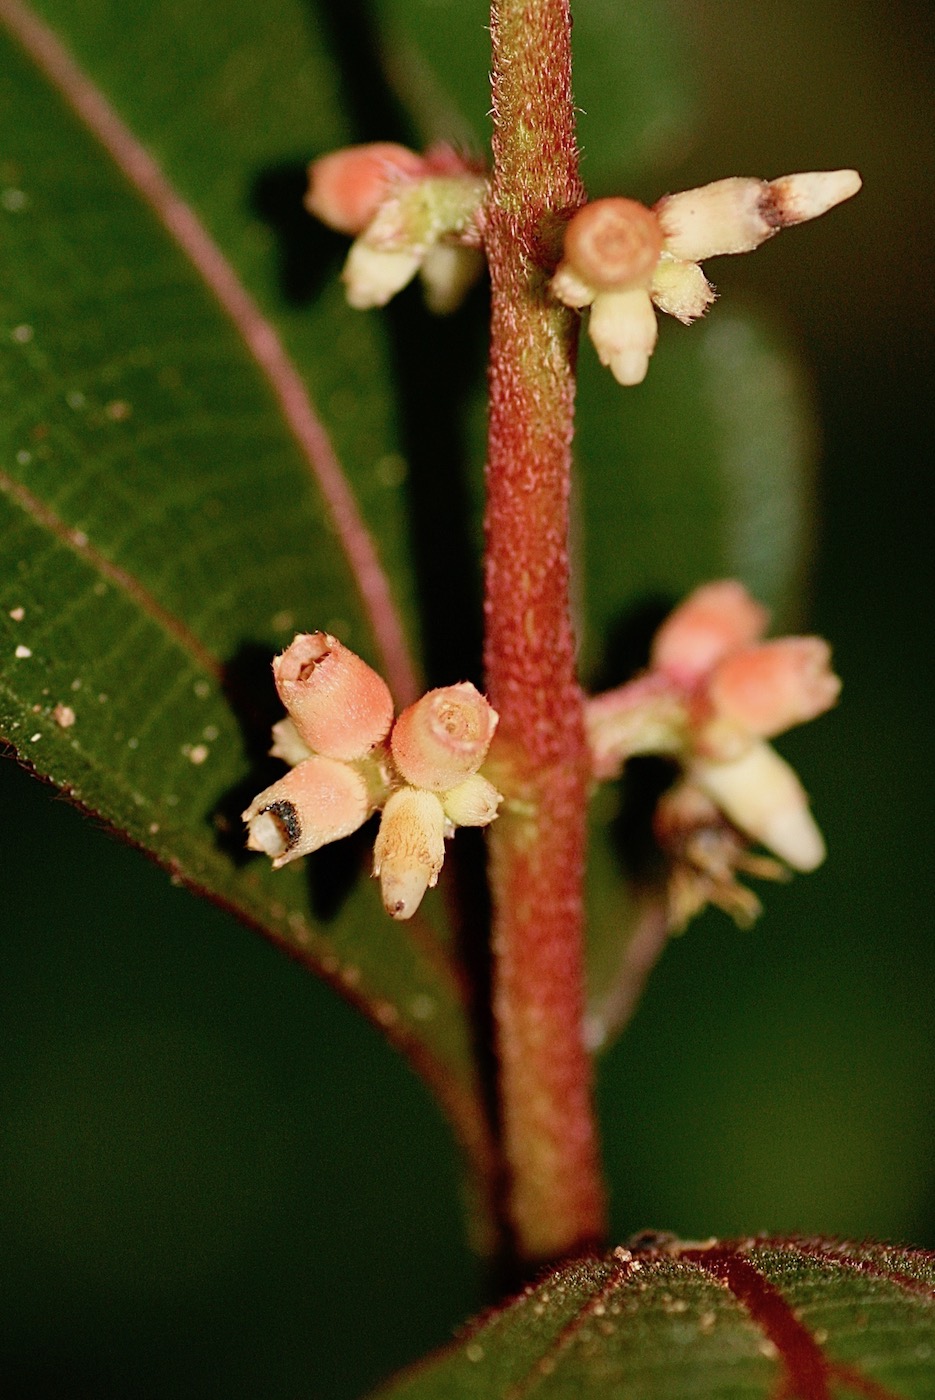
570	288
623	327
288	743
715	620
339	705
444	737
613	244
762	796
738	214
768	688
372	276
448	273
797	198
681	289
347	187
318	801
472	803
410	849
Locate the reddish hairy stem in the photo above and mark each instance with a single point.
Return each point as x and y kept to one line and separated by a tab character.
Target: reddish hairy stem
555	1191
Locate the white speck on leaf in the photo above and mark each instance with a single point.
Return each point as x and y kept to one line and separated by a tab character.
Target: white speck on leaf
198	753
17	614
22	653
64	716
23	458
22	334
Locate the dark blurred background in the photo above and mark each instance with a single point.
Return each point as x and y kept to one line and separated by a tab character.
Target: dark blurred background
216	1180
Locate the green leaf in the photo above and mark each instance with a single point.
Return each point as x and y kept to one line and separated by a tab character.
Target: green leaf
704	471
164	525
749	1320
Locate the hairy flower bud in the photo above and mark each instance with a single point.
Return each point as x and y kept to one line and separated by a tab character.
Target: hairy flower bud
762	796
373	276
738	214
613	244
409	850
767	689
715	620
444	737
681	289
339	705
472	803
624	331
318	801
347	187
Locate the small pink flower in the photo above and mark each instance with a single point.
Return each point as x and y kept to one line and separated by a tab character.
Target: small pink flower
407	214
347	760
339	705
712	697
443	738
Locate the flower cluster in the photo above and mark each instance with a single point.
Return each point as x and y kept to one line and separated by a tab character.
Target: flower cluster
423	214
622	259
349	759
713	696
407	214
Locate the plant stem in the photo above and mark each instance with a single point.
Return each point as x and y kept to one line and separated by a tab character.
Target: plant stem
555	1190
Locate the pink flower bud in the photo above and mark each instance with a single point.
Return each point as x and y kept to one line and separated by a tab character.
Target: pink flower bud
339	705
409	849
613	244
715	620
318	801
444	737
767	689
347	187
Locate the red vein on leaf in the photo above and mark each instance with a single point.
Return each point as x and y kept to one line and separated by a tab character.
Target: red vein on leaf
808	1372
624	1265
77	541
180	220
837	1252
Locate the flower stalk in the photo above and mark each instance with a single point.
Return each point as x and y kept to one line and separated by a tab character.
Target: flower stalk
555	1194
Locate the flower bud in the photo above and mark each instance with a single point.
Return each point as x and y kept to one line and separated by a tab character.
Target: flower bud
372	276
623	327
448	273
287	743
738	214
472	803
339	705
723	217
768	688
714	621
318	801
410	849
347	187
444	737
613	244
762	796
681	289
